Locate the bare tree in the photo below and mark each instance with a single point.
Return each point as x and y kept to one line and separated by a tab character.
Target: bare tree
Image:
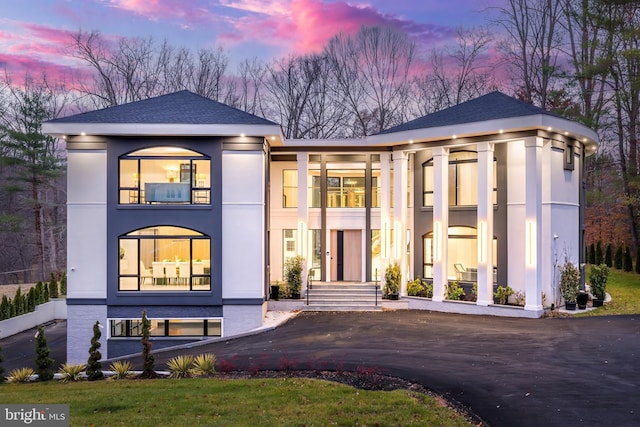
532	46
372	73
132	69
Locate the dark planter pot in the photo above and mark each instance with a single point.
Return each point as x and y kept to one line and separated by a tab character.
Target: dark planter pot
275	292
393	297
295	295
597	302
570	305
582	300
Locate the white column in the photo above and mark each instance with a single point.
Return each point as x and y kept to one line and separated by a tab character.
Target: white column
303	212
400	211
440	221
485	223
385	213
533	223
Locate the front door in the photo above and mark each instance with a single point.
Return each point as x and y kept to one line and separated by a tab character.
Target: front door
346	255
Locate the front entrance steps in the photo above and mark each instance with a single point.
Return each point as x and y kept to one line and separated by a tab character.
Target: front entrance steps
344	296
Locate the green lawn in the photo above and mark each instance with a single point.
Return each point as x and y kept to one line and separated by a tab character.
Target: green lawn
624	289
237	402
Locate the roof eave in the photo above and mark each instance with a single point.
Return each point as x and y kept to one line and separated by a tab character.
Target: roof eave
162	129
538	121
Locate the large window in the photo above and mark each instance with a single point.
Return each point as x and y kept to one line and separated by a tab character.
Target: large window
463	180
345	189
289	188
164	175
122	328
462	254
164	258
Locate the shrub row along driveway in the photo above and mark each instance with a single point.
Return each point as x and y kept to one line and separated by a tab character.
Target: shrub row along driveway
524	372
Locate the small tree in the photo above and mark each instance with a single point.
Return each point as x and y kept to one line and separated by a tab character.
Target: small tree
617	260
31	300
40	293
1	367
94	367
638	260
18	302
592	254
53	287
148	360
628	262
608	256
43	361
5	308
63	284
599	257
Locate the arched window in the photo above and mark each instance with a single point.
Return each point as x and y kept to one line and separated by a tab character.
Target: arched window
463	180
462	254
164	175
164	258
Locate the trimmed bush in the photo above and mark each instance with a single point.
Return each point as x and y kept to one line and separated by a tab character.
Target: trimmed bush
592	254
53	287
94	367
628	263
599	257
148	360
608	256
293	273
598	276
617	260
569	282
43	361
501	295
454	291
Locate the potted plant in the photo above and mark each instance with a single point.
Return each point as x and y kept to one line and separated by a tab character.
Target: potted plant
392	279
598	278
569	284
293	275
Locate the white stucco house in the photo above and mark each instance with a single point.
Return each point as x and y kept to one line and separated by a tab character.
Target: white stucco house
187	208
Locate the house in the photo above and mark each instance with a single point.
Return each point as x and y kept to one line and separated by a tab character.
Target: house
187	208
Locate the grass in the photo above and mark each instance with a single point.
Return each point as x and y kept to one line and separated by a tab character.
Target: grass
241	402
624	288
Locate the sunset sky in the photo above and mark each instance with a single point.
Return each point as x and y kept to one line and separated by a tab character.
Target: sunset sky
35	34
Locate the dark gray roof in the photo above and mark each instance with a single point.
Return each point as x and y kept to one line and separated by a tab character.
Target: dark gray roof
492	106
182	107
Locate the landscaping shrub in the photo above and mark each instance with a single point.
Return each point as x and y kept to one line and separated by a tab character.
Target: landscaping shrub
43	361
71	372
618	259
180	366
592	254
598	259
5	308
637	260
94	367
392	277
598	276
204	365
120	369
293	274
501	295
1	367
608	256
418	288
454	291
628	263
148	360
53	287
63	284
20	375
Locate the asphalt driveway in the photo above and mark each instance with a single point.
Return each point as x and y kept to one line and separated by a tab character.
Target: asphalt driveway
511	372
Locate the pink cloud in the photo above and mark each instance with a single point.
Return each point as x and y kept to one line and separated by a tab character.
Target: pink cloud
185	13
306	25
18	66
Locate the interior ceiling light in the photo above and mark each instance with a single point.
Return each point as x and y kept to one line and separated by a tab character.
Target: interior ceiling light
83	133
501	131
242	135
411	141
454	136
549	128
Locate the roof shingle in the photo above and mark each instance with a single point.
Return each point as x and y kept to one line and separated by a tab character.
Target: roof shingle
492	106
182	107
